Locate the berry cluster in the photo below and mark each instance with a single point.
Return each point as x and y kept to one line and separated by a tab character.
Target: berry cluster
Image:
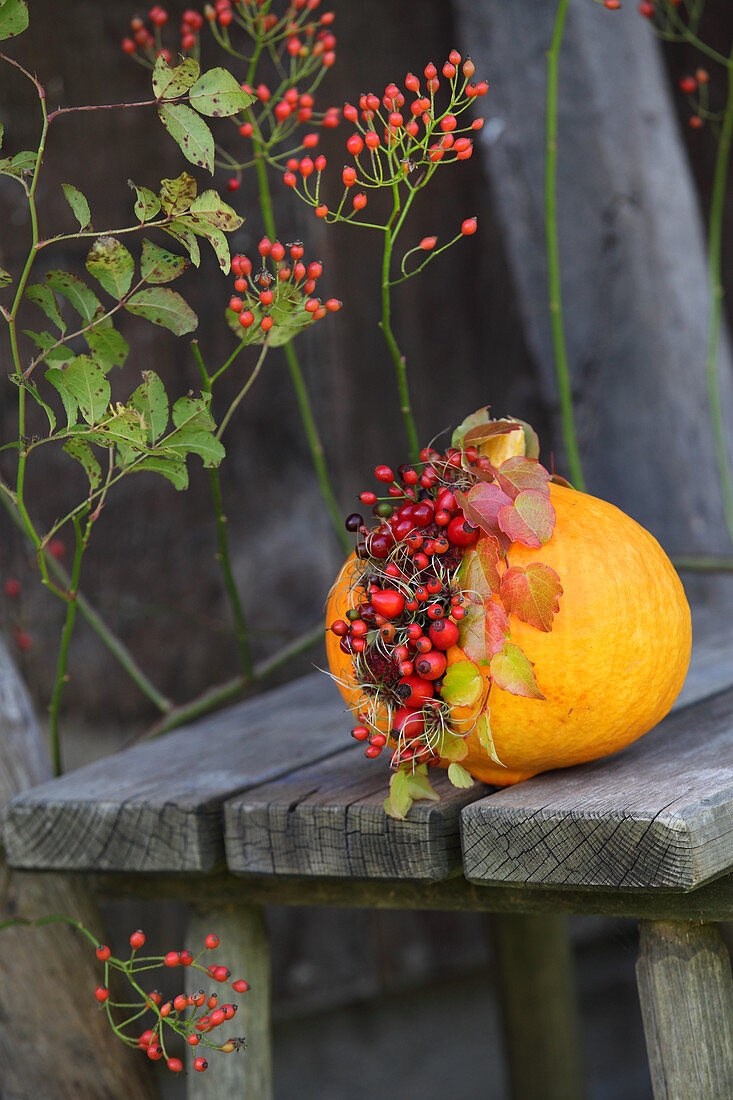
192	1016
408	603
146	44
390	142
281	294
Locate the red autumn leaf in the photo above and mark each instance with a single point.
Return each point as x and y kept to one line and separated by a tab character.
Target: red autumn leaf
482	504
519	473
532	594
530	519
487	551
471	633
483	432
496	628
514	672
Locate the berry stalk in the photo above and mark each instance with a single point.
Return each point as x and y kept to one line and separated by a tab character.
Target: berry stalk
562	370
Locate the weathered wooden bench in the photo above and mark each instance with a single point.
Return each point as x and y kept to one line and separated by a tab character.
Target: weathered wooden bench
269	803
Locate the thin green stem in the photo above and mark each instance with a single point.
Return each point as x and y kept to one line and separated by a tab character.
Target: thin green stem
695	564
63	656
296	375
243	392
715	282
390	232
223	556
217	696
562	370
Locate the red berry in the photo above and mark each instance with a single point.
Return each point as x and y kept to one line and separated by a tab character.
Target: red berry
409	721
101	993
240	986
443	634
360	733
688	85
461	532
185	958
359	201
129	46
145	1039
155	1052
373	751
469	226
612	5
414	691
388	602
12	587
172	959
233	184
175	1065
383	473
193	1040
200	1064
646	9
103	952
431	665
137	939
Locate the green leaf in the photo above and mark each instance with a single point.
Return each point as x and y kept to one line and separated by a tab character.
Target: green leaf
486	738
44	297
172	468
399	799
163	307
459	777
216	239
169	83
159	266
193	412
57	378
483	630
79	449
5	277
2	134
124	429
190	132
85	380
218	94
530	520
147	203
177	195
108	346
419	784
453	747
78	204
202	443
463	684
532	594
180	232
13	18
514	672
20	165
151	400
111	265
76	291
32	389
56	355
210	207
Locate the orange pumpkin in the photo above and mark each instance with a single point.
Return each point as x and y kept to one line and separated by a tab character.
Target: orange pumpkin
606	672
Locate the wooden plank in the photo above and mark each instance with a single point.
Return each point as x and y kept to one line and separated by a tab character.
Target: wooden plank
711	663
157	806
539	1006
659	814
686	994
245	951
328	820
712	902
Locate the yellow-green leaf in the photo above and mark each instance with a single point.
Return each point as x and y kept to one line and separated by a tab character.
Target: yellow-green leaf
459	777
486	739
462	684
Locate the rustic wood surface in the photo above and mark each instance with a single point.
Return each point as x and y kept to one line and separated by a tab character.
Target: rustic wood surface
712	902
686	993
157	807
659	814
329	820
539	1007
244	949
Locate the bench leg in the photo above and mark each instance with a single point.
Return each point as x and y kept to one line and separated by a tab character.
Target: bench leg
244	949
686	993
537	991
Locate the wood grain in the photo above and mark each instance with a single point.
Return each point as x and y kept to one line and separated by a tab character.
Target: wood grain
658	815
329	820
686	993
157	807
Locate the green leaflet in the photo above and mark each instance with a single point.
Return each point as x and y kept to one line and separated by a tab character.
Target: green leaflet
111	265
78	204
163	307
190	132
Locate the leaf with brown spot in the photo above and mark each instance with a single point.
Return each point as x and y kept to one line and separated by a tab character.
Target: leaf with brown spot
219	95
518	474
532	594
